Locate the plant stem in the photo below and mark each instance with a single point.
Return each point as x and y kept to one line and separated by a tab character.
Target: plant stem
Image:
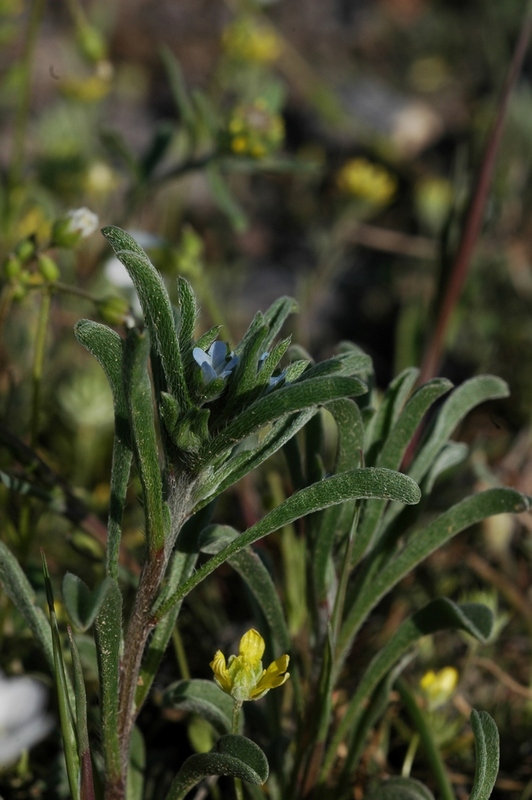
427	739
237	705
475	213
38	362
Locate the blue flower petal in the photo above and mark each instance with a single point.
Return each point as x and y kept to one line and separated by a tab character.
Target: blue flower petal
218	352
200	357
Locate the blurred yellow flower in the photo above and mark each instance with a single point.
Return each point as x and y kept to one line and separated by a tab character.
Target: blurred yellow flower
439	686
253	130
367	181
243	677
249	39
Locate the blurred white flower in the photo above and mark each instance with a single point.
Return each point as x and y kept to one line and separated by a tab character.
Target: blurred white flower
23	721
82	221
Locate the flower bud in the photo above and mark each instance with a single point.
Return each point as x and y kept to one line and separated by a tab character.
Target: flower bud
113	309
25	250
48	268
91	43
68	231
12	267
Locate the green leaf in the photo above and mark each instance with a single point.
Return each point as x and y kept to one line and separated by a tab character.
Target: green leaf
239	465
81	604
204	698
117	146
470	394
108	349
20	592
337	489
156	307
401	789
276	315
389	409
252	570
178	88
82	734
392	452
487	755
439	614
280	403
137	388
335	519
232	755
420	545
108	636
157	149
225	199
65	697
137	766
187	314
452	454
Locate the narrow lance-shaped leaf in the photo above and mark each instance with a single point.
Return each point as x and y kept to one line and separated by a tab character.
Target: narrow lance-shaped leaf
156	307
338	489
81	604
282	402
236	467
350	444
108	636
420	545
107	347
257	578
65	697
138	391
187	315
82	733
388	411
276	315
466	397
392	452
439	614
487	755
20	592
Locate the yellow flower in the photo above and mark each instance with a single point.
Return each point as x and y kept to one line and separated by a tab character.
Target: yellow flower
243	677
249	39
439	686
253	130
370	182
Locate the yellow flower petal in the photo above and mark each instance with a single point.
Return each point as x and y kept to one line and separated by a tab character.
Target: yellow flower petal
272	677
252	646
221	675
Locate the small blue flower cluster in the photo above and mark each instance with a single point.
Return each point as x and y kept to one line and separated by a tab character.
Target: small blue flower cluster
218	362
214	363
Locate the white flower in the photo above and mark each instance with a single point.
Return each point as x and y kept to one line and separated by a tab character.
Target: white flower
82	221
23	721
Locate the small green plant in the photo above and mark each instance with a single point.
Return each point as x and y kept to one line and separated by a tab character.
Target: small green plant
193	417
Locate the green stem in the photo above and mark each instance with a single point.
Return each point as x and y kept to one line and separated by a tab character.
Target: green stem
181	655
237	705
432	751
38	362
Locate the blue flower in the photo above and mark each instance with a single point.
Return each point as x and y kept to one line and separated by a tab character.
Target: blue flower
216	362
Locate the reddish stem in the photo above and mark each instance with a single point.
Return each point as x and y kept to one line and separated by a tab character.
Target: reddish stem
475	214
